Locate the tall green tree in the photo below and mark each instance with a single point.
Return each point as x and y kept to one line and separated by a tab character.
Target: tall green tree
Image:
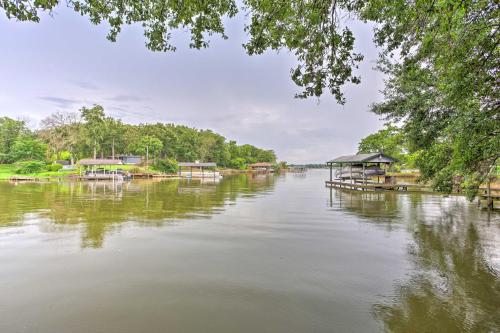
10	131
149	146
28	148
113	133
61	131
94	127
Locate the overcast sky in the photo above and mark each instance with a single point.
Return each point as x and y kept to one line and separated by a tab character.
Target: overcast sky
64	62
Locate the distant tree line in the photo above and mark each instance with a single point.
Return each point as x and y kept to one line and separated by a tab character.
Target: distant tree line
91	133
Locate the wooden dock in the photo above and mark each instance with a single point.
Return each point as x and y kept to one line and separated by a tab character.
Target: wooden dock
488	201
22	179
370	186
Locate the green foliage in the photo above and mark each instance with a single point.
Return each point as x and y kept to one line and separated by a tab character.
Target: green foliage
470	185
54	167
65	155
62	132
10	131
147	145
167	165
28	148
28	167
237	163
68	134
389	140
158	18
94	126
444	87
313	31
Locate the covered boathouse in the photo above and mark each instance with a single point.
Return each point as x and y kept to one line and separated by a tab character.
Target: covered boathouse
101	169
262	167
360	171
198	170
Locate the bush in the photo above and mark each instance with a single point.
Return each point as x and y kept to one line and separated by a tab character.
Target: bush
28	167
167	165
238	163
136	170
54	167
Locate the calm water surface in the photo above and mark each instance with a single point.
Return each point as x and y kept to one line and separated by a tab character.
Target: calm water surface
247	254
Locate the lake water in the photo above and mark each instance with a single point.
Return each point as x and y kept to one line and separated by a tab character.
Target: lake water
248	254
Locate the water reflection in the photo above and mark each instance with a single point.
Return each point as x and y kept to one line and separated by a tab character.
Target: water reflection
371	206
100	207
454	281
453	285
454	288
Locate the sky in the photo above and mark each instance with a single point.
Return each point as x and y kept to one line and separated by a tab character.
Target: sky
64	63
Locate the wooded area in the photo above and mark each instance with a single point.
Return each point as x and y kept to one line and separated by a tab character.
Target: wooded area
90	133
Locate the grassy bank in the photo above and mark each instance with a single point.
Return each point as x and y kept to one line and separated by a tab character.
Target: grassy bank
9	170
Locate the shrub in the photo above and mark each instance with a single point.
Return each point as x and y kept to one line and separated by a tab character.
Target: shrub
167	165
54	167
136	170
28	167
238	163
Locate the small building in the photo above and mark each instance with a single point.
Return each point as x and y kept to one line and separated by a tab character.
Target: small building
261	167
198	170
130	159
360	166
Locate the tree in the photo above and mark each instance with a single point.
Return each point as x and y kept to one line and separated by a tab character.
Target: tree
28	148
114	132
10	131
444	87
389	140
94	127
148	145
167	165
212	148
61	131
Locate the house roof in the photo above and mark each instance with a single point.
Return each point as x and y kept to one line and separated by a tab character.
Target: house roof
197	164
99	161
128	156
364	158
261	165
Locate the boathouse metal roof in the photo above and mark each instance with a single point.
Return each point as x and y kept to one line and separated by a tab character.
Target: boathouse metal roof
364	158
197	164
99	161
261	165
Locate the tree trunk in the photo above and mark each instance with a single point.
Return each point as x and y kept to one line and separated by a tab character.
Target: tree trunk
95	149
113	148
147	157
